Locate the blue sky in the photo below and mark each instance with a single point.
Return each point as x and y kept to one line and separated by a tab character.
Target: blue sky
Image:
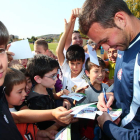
27	18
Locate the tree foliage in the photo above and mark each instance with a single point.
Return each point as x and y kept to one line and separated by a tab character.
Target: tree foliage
134	6
83	35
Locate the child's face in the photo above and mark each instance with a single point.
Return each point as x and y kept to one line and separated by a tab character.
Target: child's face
77	39
28	85
17	95
96	74
112	55
76	67
40	50
23	62
49	79
3	64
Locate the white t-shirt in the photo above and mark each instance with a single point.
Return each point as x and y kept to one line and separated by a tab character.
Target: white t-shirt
72	83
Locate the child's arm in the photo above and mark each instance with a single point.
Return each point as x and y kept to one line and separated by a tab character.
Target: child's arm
32	116
69	37
61	44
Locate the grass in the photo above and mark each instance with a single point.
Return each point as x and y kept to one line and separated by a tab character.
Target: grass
52	47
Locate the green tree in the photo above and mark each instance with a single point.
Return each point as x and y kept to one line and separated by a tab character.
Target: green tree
83	35
134	6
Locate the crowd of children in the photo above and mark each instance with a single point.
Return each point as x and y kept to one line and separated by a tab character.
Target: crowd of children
31	89
35	83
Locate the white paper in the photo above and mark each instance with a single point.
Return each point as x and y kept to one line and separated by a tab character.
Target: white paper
89	112
77	109
75	96
64	134
21	49
92	55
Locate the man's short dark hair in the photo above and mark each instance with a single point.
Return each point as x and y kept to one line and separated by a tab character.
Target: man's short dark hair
42	42
75	52
40	65
100	11
13	77
4	35
89	64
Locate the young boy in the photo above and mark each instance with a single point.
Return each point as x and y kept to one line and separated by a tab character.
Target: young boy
43	72
14	84
96	74
41	47
28	79
74	37
112	56
71	66
23	62
8	128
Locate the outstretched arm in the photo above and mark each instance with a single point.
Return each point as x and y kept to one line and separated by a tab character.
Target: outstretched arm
61	44
32	116
74	15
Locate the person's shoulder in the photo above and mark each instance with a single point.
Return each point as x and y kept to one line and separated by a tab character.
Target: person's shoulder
88	90
33	95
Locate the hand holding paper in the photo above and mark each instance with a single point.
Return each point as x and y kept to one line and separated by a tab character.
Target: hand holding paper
21	49
89	111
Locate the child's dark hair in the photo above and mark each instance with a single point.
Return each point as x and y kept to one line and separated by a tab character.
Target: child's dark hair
76	32
13	77
75	52
40	65
89	65
4	35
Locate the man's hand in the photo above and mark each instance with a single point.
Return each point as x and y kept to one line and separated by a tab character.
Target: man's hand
62	114
46	134
103	118
101	105
66	104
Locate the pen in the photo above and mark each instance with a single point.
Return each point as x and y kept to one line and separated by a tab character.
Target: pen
105	98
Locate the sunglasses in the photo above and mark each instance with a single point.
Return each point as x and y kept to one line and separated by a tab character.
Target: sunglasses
53	77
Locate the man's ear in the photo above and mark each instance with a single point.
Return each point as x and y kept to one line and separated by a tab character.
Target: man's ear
87	73
120	19
38	79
